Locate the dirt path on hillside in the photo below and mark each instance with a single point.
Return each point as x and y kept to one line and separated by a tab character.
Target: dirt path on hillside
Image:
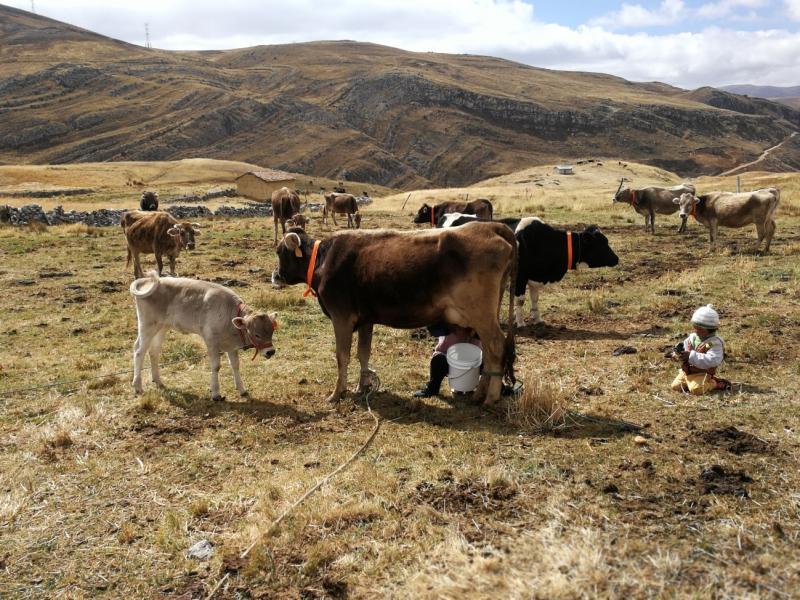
759	159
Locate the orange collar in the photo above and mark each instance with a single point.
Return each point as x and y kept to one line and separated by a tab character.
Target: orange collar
569	250
310	274
634	202
432	215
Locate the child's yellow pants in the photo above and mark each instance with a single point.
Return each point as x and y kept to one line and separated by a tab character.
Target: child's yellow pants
697	384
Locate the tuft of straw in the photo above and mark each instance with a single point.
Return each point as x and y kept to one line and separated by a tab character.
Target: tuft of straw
540	406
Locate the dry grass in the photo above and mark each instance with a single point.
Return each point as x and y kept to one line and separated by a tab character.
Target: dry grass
540	407
102	492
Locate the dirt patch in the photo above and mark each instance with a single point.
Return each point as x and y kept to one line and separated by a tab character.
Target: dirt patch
716	480
467	495
735	441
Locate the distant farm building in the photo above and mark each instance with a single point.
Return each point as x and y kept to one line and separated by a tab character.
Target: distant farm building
564	169
259	185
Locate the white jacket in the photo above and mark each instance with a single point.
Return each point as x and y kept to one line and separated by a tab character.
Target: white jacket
709	359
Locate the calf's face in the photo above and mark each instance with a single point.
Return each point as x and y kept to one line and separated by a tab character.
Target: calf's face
257	329
423	214
186	232
293	258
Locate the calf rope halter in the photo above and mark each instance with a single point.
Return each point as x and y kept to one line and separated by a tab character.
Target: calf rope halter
250	342
634	199
310	272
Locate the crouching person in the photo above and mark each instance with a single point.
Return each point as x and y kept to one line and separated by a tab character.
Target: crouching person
448	335
700	355
210	310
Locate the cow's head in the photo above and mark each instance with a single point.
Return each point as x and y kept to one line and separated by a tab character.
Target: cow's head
686	202
423	214
621	195
357	219
184	234
594	250
257	329
294	254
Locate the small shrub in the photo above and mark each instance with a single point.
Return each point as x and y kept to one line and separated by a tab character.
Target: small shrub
106	382
199	507
540	406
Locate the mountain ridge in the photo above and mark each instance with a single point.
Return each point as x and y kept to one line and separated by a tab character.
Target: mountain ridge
353	110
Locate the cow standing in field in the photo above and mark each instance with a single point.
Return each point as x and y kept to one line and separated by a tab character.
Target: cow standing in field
546	254
285	204
408	280
210	310
730	209
651	200
149	201
345	204
297	220
157	233
481	208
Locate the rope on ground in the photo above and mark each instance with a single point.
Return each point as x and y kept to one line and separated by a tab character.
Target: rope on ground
85	379
373	388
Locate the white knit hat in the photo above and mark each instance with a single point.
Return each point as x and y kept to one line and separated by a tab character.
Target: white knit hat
706	316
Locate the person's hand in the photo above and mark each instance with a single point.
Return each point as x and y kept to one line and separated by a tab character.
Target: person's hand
683	356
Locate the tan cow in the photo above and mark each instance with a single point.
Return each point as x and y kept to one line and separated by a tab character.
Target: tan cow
285	204
344	204
298	220
157	233
210	310
650	201
730	209
407	280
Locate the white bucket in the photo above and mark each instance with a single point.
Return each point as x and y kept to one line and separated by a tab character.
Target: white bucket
464	361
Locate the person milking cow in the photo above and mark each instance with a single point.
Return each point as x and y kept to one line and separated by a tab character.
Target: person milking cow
700	355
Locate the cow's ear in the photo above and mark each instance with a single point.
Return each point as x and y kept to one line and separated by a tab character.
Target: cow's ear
195	225
273	317
676	200
238	322
292	241
696	200
174	231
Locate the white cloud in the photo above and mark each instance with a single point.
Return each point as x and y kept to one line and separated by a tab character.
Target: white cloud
726	8
793	9
503	28
635	15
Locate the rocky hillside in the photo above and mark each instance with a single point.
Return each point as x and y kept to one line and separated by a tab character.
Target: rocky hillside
355	111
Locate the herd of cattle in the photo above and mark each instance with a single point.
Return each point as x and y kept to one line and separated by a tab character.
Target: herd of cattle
455	273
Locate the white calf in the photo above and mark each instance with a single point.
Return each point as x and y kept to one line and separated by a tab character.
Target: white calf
208	309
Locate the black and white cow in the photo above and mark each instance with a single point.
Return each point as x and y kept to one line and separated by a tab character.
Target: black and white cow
546	254
457	219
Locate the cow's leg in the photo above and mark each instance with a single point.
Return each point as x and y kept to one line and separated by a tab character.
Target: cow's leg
761	230
214	363
770	226
519	303
137	265
533	290
343	330
682	228
160	263
233	358
333	216
712	233
652	221
491	380
364	350
172	265
140	347
155	355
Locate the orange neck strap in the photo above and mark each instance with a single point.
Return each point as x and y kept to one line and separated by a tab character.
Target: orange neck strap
569	250
433	224
310	274
634	201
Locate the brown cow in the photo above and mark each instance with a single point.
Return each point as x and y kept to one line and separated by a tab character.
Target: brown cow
161	234
651	200
734	210
480	207
285	204
298	220
407	280
343	204
149	201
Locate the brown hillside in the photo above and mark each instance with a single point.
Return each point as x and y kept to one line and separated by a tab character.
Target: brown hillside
351	110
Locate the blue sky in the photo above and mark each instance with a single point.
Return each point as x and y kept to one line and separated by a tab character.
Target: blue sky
687	43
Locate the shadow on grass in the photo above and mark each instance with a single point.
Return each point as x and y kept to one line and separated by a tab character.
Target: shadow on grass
196	405
464	415
561	332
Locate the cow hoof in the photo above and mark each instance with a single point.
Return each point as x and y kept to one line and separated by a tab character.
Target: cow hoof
245	394
335	397
218	398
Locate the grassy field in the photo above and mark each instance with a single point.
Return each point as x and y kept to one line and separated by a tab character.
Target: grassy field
102	492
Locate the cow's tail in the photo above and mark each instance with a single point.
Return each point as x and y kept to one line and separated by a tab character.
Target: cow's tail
509	347
145	286
128	260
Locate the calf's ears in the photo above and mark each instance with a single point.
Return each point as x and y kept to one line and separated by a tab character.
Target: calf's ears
174	231
238	322
676	200
292	241
273	317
